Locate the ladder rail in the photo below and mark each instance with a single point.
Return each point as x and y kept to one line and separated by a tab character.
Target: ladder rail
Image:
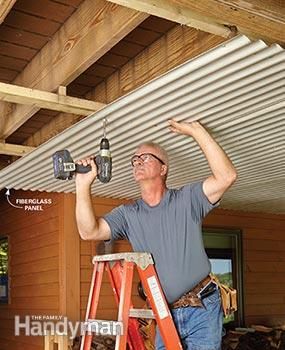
160	308
125	303
92	304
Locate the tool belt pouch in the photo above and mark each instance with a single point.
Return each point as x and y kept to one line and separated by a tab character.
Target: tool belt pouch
228	296
229	299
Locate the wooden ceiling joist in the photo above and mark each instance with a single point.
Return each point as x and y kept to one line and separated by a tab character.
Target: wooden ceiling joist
5	7
48	100
85	37
258	19
177	13
14	150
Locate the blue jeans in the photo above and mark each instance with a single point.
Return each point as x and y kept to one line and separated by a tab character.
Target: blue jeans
199	328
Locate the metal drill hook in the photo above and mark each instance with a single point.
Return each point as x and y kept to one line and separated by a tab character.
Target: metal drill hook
104	127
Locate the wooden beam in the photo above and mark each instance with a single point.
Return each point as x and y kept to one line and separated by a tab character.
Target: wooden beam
258	19
48	100
5	7
61	90
177	13
86	36
14	150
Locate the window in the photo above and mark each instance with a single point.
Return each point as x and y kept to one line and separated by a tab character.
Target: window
224	251
4	270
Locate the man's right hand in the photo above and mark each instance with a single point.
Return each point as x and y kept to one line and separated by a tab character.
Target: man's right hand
86	179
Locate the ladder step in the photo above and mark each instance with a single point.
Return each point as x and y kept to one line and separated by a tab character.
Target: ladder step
103	327
141	313
140	259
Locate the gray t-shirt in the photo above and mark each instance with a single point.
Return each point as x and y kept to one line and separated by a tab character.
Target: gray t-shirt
171	232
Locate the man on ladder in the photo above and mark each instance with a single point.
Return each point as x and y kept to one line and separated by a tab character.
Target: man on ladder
167	223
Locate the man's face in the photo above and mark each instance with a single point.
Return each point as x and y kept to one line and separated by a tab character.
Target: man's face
148	165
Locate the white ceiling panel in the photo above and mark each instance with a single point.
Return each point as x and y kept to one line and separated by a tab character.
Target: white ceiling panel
236	90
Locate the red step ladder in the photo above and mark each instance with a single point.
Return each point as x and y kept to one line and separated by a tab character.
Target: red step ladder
120	269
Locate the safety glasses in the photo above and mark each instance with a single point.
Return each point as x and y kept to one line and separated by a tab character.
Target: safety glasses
144	158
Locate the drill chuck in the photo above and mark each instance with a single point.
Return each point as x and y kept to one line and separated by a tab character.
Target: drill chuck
104	161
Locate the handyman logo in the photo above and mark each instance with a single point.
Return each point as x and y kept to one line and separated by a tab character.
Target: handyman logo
41	326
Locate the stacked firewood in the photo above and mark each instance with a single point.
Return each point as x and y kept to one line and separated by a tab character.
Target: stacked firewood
255	338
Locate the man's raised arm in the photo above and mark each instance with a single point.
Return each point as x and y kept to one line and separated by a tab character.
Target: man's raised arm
223	172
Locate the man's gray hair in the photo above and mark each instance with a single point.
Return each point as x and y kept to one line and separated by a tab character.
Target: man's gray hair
162	152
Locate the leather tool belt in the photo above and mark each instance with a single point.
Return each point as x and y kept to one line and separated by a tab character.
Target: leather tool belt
193	297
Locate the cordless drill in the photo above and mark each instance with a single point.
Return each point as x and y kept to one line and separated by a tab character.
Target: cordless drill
64	167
